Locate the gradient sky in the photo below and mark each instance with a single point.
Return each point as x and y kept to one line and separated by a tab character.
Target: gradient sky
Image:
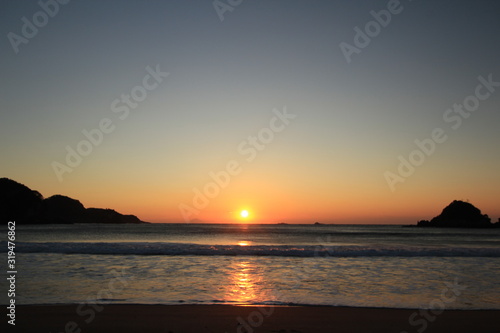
225	78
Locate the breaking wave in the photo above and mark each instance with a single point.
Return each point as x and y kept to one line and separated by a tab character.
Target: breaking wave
183	249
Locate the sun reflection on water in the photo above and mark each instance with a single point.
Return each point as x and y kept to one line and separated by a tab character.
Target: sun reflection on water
244	283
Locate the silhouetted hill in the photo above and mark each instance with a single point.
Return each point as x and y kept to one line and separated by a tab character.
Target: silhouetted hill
99	215
18	202
25	206
62	209
459	214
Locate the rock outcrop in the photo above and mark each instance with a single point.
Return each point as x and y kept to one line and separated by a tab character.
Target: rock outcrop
25	206
459	214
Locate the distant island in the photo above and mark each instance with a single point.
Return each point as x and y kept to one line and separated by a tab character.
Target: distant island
460	214
25	206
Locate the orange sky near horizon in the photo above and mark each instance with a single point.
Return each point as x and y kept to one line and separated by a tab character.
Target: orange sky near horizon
280	204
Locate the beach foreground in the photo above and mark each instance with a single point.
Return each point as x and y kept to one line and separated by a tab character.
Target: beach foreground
226	318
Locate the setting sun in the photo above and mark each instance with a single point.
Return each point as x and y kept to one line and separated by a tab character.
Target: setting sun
244	214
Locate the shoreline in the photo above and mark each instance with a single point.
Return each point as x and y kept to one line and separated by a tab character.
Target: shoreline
76	318
291	305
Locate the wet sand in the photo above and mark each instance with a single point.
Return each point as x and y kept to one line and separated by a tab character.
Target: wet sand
225	318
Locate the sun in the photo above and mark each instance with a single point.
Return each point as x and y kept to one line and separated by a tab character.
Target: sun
244	213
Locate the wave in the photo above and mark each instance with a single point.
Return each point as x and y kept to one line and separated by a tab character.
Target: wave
183	249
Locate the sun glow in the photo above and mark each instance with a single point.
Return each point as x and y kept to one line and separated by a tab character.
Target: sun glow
244	214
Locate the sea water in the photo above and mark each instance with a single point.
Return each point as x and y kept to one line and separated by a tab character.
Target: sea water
343	265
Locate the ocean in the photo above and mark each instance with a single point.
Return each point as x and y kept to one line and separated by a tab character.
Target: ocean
239	264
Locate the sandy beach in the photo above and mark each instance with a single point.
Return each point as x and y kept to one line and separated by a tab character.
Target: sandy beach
225	318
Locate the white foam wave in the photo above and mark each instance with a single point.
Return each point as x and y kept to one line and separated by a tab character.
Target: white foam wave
171	249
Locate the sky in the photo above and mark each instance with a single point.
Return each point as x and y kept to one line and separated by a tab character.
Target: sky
296	111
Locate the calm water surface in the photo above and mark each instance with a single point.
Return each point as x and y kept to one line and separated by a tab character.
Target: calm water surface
381	266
